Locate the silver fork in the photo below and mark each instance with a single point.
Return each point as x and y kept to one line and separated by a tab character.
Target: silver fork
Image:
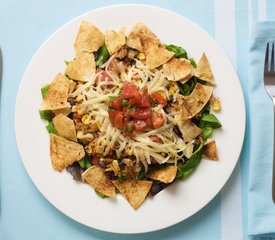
269	83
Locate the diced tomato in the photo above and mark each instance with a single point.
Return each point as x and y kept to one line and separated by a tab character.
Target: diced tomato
135	100
95	160
159	98
77	116
129	90
142	114
149	122
104	77
116	118
140	125
157	119
116	104
130	134
145	101
113	67
124	109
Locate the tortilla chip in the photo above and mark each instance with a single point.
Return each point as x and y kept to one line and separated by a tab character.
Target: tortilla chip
64	152
178	70
134	41
72	86
189	130
82	68
210	151
165	175
115	40
65	127
203	70
89	38
155	55
96	177
134	191
57	95
64	111
189	106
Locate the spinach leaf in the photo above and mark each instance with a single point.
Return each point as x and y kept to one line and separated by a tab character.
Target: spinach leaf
103	55
67	76
44	90
179	51
46	115
206	132
66	62
185	169
111	98
192	61
209	120
186	88
51	129
85	162
100	194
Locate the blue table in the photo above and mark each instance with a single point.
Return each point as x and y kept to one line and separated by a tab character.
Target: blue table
24	26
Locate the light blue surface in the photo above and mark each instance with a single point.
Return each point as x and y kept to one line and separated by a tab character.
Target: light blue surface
25	214
261	207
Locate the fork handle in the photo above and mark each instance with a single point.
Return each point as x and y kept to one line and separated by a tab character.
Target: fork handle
273	165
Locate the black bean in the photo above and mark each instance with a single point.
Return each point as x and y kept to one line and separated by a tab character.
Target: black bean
102	164
110	175
121	165
72	101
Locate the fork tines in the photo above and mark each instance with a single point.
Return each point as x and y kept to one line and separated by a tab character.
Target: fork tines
269	61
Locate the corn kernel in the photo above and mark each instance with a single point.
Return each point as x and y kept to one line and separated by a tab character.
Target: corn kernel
84	118
130	153
216	106
141	56
80	112
79	98
172	155
171	90
163	154
103	142
115	166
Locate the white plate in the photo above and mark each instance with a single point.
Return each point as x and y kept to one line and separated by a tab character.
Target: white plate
79	201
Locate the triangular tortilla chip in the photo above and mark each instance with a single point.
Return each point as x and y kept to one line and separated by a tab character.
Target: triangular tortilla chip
57	95
178	70
82	68
64	111
189	130
210	151
64	152
156	55
189	106
65	127
133	40
72	86
115	40
203	70
89	38
165	175
134	191
96	177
